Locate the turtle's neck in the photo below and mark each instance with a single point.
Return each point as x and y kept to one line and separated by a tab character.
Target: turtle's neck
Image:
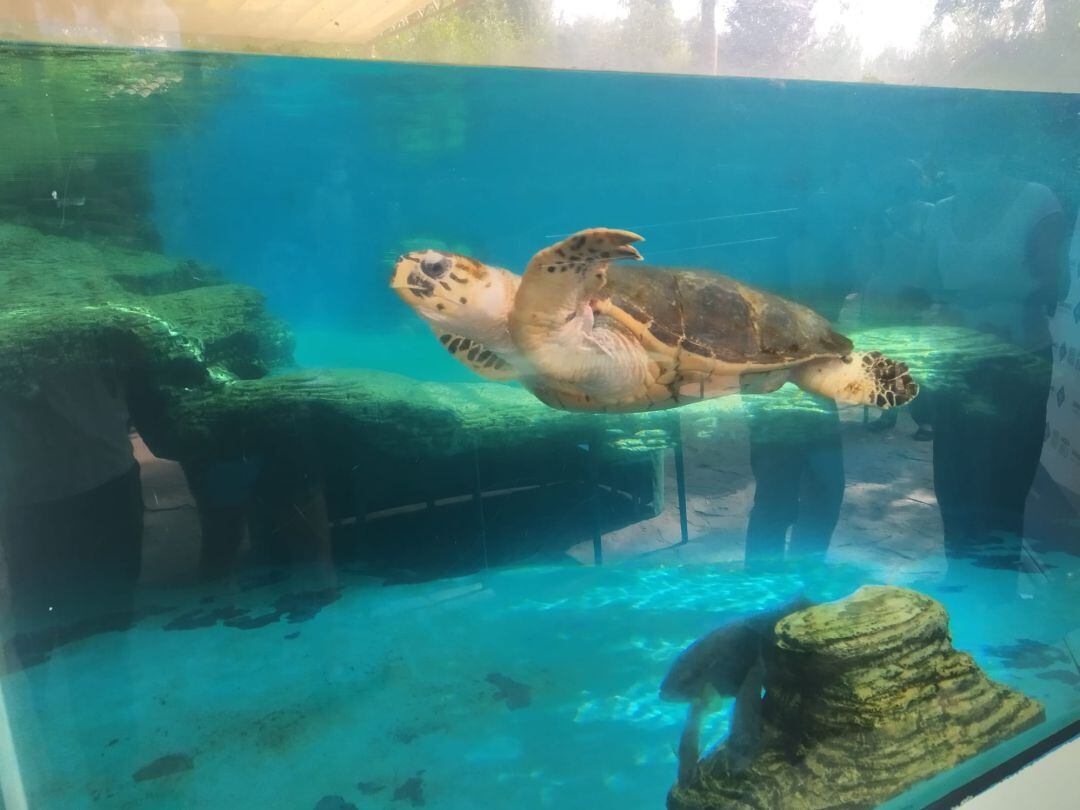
496	332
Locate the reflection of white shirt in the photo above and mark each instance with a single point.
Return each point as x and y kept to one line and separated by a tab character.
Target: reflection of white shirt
68	437
986	279
1061	452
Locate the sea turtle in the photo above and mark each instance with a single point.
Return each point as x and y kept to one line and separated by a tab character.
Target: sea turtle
585	334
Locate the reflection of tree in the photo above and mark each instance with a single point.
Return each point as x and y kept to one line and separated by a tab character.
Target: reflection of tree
778	38
836	56
706	42
526	32
653	36
767	36
1000	18
1032	44
647	37
1023	44
476	32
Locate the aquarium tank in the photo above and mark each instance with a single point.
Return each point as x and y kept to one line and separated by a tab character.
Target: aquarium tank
526	404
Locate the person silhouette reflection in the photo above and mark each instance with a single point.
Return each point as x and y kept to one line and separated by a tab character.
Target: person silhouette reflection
995	248
797	461
893	294
71	508
796	454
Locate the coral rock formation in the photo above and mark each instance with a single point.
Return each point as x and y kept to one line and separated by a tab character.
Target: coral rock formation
864	697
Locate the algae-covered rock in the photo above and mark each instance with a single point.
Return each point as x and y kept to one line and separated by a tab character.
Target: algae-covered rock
341	414
864	697
71	302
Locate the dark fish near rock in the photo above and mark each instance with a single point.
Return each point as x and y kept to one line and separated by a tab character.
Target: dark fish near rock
334	803
517	695
727	662
721	659
1063	675
411	790
164	766
1027	653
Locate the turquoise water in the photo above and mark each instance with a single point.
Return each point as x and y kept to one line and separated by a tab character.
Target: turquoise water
384	684
402	604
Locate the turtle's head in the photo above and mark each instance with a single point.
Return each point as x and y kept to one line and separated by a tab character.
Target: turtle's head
455	293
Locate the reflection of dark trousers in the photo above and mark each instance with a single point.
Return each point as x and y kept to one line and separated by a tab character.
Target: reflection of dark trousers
988	436
75	555
798	465
921	410
281	504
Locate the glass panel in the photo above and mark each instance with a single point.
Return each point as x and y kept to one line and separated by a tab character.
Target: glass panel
266	503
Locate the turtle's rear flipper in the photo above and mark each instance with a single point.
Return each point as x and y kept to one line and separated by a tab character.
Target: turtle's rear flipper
860	378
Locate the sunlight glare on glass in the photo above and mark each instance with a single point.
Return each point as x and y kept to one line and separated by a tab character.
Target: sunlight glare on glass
873	24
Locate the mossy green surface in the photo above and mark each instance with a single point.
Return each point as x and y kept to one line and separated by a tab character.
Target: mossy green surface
328	413
864	697
407	417
73	302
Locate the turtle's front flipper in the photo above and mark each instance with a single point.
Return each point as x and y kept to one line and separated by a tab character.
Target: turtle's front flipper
480	359
860	378
560	280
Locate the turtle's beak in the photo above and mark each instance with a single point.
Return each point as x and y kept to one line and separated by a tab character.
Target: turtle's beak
411	282
399	279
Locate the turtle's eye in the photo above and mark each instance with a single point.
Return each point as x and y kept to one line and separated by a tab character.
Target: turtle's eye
435	269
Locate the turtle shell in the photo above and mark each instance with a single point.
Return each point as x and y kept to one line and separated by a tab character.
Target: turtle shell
716	317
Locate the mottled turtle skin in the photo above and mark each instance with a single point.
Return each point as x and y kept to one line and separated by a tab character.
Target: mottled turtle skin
584	333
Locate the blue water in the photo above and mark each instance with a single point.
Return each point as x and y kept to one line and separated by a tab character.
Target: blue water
315	174
527	680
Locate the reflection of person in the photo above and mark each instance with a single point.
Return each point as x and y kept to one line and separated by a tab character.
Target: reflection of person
995	248
71	500
796	454
798	465
898	238
1061	454
279	502
892	293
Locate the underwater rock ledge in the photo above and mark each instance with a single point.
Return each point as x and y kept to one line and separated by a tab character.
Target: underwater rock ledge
864	697
68	302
